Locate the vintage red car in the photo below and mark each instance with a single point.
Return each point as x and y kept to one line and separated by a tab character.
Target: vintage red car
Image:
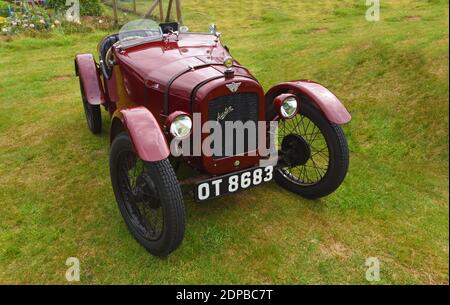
160	84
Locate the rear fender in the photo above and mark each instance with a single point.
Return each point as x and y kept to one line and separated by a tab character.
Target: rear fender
148	139
86	69
321	97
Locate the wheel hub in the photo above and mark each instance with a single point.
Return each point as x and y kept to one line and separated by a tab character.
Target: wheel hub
296	150
146	191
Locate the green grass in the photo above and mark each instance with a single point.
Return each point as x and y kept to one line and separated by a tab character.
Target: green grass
55	194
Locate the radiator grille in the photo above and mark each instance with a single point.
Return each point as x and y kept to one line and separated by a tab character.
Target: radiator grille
241	107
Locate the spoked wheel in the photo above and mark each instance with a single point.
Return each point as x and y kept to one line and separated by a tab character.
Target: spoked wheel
316	151
92	113
149	198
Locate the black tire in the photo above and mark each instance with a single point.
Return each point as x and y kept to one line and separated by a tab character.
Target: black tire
92	113
167	199
338	157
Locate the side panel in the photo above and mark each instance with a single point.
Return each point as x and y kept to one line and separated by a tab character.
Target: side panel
323	98
148	139
86	69
111	93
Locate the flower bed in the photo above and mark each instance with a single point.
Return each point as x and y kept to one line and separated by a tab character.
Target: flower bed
28	19
34	20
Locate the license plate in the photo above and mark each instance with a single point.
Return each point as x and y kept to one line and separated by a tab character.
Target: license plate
232	183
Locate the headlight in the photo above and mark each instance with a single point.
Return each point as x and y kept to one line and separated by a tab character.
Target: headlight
289	107
180	125
286	105
228	62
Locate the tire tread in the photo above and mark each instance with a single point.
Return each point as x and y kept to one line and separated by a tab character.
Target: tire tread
171	198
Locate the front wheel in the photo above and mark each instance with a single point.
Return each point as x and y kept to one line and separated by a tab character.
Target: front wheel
317	151
149	198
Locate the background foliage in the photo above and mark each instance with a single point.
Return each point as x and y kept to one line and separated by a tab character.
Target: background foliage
55	192
4	9
87	7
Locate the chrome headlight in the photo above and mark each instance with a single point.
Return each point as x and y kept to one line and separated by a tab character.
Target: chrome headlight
289	107
180	125
286	105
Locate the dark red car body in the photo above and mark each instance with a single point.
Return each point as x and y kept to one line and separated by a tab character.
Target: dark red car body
183	80
154	79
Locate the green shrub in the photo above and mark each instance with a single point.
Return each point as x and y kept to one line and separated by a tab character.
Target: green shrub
3	9
3	21
57	5
87	7
90	8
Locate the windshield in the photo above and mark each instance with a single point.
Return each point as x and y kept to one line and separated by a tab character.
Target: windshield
144	30
139	31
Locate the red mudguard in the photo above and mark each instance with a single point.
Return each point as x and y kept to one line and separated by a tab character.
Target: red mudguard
148	139
86	69
323	98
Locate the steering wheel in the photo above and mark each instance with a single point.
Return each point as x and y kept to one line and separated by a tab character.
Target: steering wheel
109	58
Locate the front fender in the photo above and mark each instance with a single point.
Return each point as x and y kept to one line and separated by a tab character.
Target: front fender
148	139
320	96
86	69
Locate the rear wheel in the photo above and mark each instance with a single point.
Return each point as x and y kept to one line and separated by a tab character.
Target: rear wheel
92	113
149	198
317	152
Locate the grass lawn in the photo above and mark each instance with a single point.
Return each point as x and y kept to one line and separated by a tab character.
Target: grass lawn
56	199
